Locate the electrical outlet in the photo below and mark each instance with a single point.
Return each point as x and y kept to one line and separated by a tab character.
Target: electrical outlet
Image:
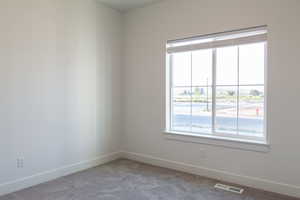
20	162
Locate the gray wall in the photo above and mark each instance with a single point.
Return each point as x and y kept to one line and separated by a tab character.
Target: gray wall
147	31
59	84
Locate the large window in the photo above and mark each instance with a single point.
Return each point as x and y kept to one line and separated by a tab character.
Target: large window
216	85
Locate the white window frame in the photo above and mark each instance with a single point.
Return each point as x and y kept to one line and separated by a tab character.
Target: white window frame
214	44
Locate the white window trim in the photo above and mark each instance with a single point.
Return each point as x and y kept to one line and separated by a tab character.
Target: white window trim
216	138
241	144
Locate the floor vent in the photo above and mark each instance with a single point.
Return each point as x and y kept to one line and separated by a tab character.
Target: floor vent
229	188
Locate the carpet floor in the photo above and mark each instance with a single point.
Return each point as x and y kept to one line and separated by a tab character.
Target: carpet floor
129	180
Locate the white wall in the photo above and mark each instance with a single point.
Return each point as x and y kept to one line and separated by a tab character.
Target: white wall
147	30
60	77
59	84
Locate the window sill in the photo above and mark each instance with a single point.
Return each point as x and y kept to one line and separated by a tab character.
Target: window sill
248	145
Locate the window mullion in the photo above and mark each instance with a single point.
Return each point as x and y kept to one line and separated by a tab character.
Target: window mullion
191	117
238	89
214	81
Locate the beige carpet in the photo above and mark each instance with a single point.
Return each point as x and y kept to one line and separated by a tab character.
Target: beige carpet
128	180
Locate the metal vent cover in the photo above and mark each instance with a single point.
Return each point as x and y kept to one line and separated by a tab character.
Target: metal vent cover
229	188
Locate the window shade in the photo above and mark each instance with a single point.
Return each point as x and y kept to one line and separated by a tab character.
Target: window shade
224	39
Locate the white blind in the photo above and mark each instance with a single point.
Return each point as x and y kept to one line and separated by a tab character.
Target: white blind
231	38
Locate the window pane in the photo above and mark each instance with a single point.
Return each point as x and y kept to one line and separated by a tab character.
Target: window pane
251	111
202	68
181	69
181	116
227	66
202	109
252	62
226	109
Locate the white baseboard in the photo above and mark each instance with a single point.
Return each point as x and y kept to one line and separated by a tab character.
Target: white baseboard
259	183
253	182
26	182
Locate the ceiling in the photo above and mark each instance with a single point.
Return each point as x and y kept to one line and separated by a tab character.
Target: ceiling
125	5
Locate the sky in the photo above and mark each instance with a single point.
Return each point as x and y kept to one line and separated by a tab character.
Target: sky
196	66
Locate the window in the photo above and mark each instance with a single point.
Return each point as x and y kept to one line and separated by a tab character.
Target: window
216	85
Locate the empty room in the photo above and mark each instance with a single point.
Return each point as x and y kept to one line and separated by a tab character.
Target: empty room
149	100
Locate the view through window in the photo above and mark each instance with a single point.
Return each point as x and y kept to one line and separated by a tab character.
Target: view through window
217	85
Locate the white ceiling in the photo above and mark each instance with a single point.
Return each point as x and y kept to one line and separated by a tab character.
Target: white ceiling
125	5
